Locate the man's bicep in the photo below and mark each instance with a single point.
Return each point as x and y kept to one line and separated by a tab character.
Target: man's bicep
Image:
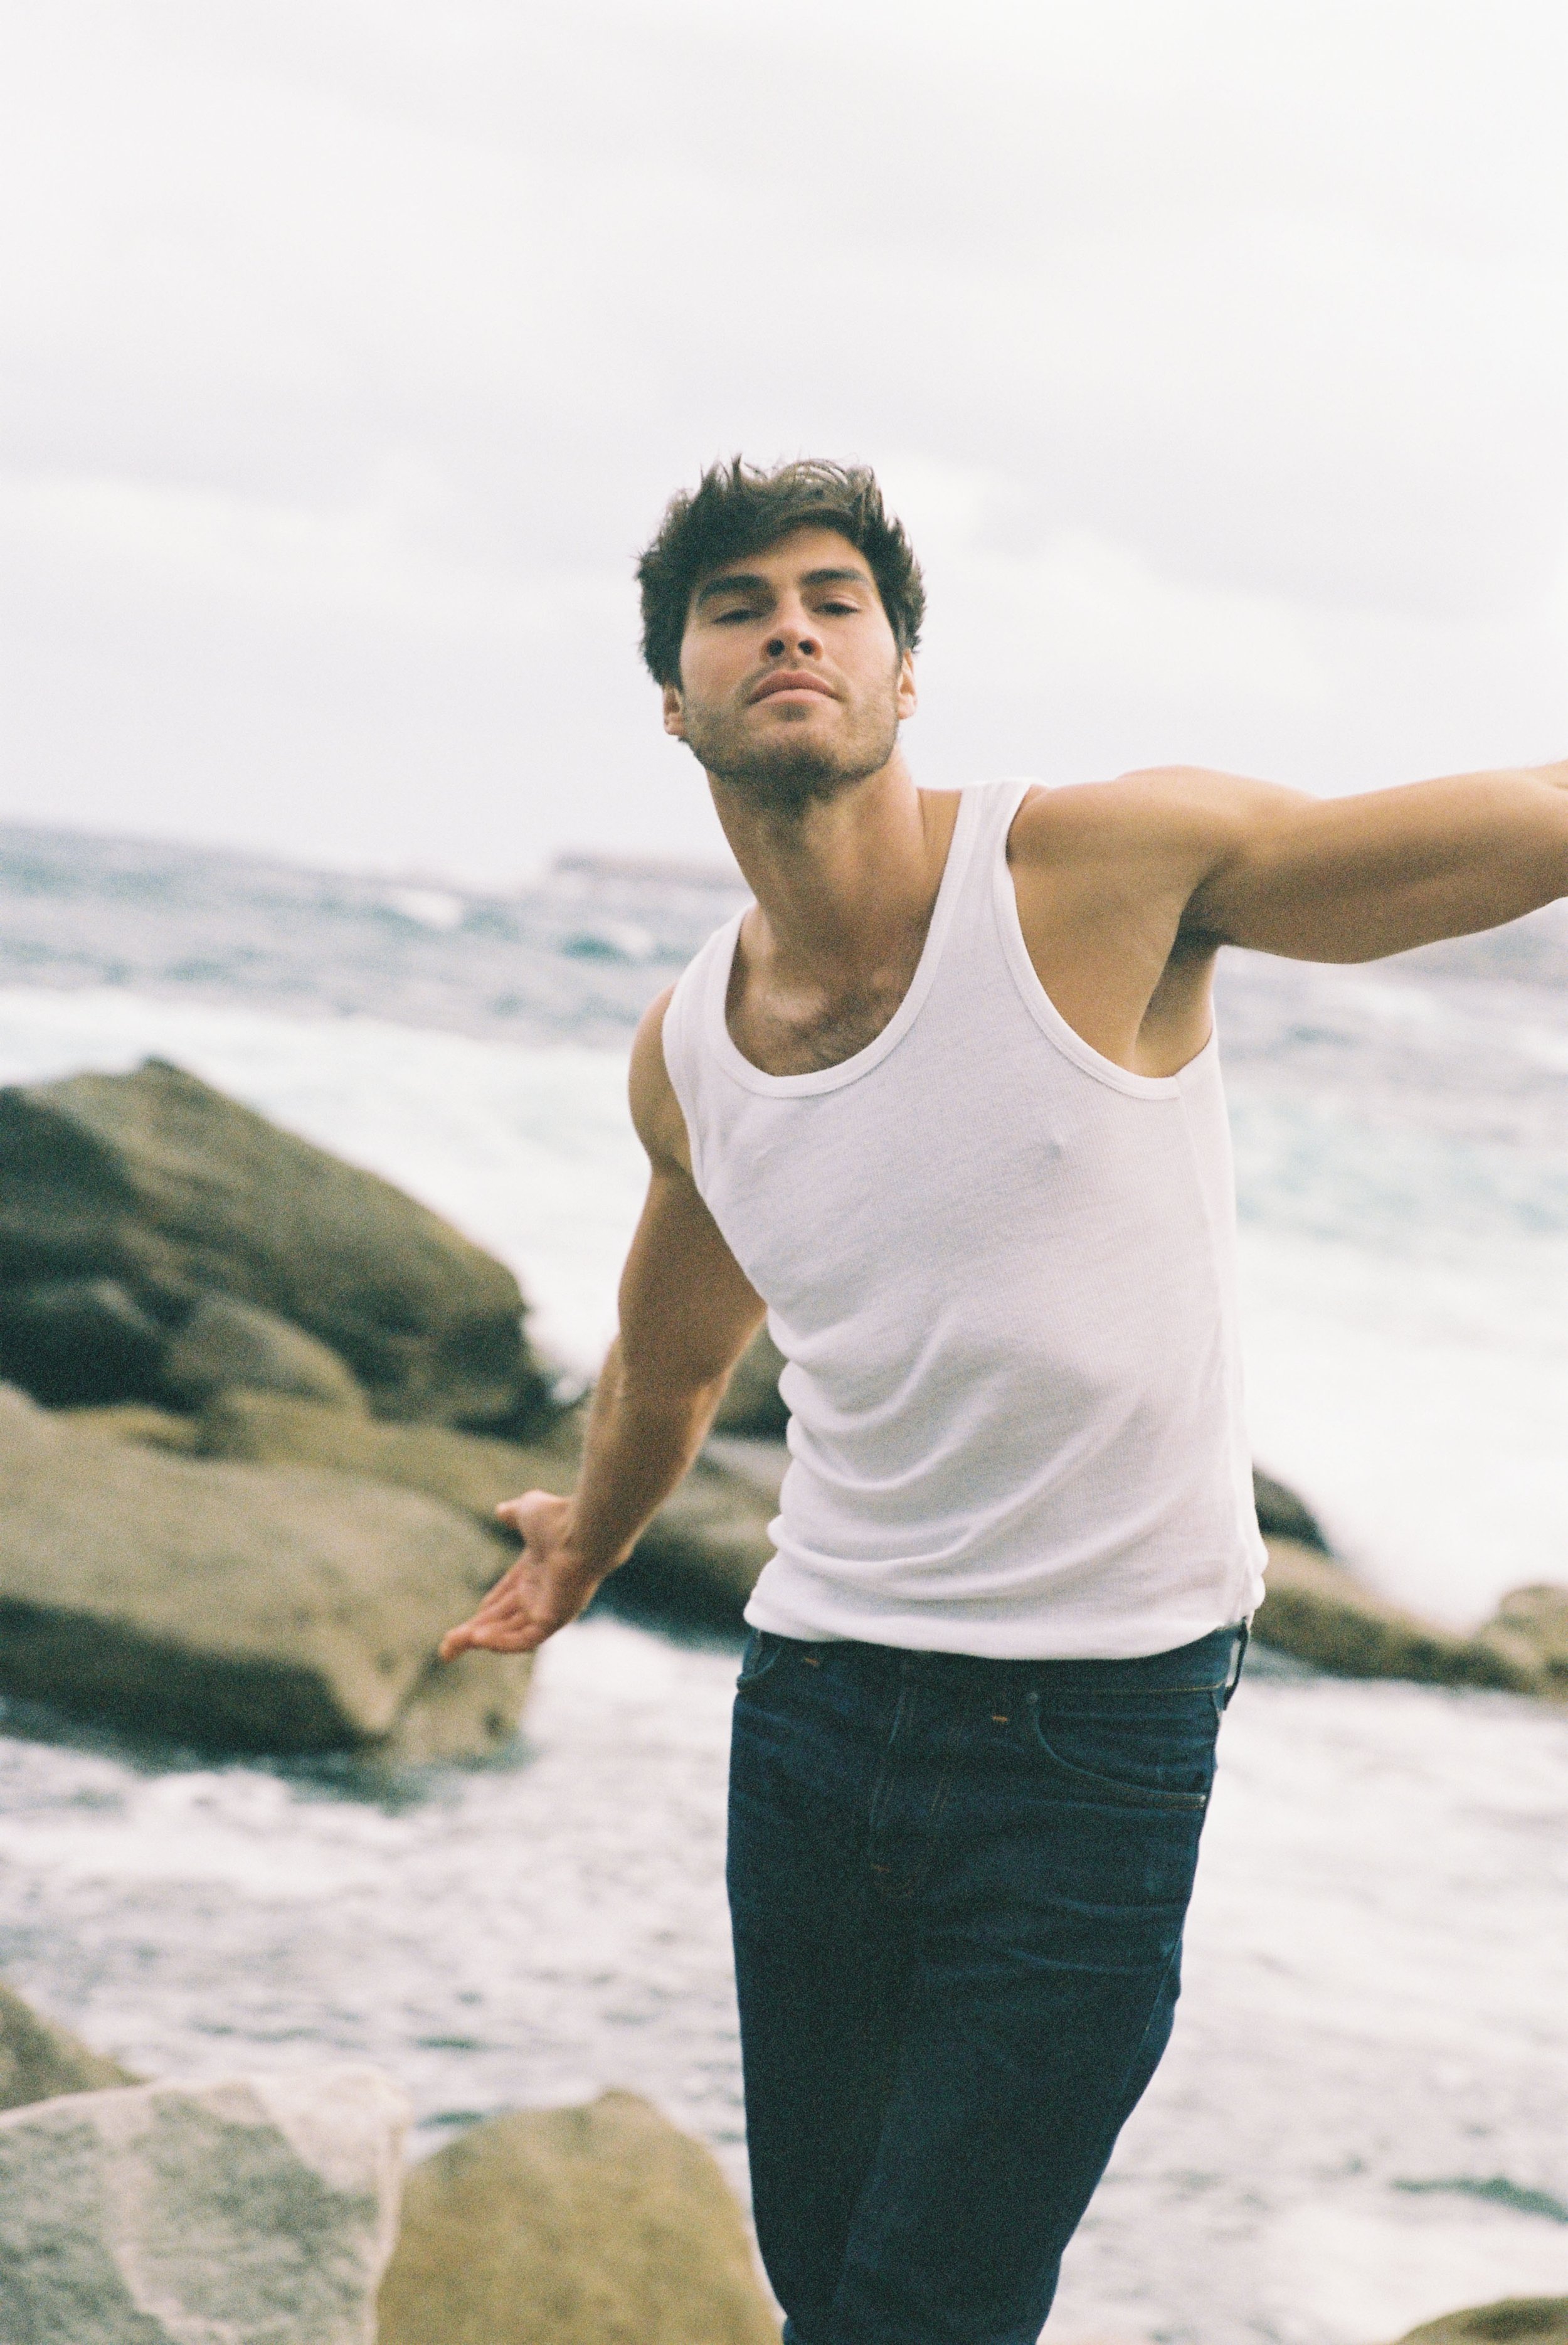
687	1308
1353	878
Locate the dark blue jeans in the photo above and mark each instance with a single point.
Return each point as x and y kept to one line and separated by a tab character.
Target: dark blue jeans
957	1889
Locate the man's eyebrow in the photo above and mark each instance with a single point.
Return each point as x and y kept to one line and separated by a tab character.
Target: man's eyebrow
730	582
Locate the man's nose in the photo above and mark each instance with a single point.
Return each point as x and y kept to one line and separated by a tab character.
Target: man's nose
793	637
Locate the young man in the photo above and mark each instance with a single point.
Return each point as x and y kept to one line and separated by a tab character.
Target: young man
945	1102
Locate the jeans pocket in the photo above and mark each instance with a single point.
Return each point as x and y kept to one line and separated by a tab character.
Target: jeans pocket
1148	1759
761	1652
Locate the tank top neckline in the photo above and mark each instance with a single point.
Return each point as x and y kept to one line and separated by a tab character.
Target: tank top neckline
960	854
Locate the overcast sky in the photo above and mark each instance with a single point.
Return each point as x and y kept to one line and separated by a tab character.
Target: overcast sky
1216	354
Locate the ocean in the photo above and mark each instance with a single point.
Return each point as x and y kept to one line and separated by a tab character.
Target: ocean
1361	2120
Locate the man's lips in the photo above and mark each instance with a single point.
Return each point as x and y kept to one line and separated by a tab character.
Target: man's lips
788	681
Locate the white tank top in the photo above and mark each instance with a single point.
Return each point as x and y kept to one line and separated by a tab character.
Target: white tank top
1001	1270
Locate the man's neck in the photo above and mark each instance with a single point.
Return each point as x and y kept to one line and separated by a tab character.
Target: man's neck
843	883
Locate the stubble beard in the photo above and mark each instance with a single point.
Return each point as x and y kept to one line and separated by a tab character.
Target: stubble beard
786	777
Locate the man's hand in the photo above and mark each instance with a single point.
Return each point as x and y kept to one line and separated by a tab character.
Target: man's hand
548	1586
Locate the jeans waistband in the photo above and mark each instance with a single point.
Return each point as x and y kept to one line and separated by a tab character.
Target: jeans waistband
1210	1664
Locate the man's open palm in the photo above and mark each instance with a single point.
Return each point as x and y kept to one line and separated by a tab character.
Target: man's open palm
545	1588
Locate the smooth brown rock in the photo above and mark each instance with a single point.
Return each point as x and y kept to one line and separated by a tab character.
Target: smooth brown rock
465	1709
1313	1609
39	2060
164	1186
225	1345
276	1608
1514	2320
469	1470
596	2225
1532	1624
751	1403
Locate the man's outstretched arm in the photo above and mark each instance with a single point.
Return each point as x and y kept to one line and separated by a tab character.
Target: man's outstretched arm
1351	879
687	1312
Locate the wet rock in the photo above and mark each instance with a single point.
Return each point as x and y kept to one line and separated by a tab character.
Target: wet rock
70	1341
40	2060
1314	1611
272	1609
226	1343
253	2210
1530	1624
751	1403
1514	2320
596	2225
159	1183
1282	1515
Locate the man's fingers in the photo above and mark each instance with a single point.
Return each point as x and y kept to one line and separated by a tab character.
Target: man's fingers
513	1631
517	1632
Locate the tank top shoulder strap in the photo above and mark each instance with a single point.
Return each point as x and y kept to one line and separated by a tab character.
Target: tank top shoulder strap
686	1026
990	810
996	804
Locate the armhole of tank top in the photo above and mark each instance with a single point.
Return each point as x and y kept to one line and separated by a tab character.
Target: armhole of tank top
1065	1038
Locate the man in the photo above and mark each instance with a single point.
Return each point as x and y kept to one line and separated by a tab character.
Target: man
945	1101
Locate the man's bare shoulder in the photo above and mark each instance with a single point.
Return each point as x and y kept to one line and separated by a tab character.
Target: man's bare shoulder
655	1110
1188	814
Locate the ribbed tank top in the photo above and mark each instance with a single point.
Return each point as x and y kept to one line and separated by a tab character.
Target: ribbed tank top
1001	1270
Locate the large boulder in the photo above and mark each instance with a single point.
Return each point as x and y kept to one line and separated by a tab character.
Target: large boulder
1514	2320
275	1608
1313	1609
165	1187
224	1344
258	2210
597	2226
40	2060
469	1470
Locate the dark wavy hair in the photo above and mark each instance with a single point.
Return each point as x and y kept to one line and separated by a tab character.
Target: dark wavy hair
738	509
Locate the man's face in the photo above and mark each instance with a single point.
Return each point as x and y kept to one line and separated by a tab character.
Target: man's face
792	684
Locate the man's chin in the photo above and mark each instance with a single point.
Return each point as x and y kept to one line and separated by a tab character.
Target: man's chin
791	771
788	781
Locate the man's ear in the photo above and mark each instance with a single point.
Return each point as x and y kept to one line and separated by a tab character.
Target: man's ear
908	697
674	712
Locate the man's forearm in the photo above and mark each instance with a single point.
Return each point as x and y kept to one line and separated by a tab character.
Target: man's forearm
639	1444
